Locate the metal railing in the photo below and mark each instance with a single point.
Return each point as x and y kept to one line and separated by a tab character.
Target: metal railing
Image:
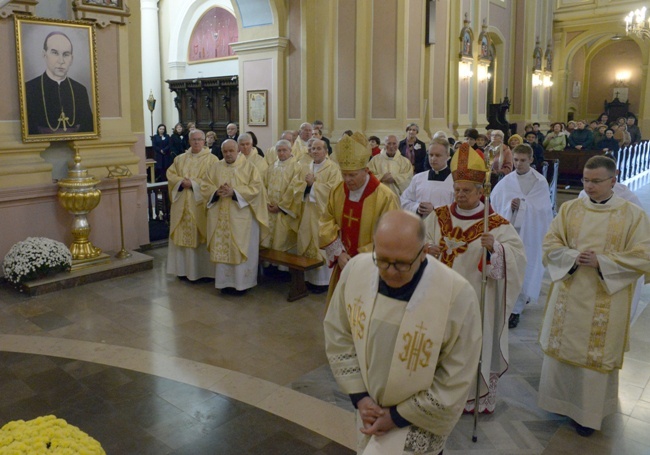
633	163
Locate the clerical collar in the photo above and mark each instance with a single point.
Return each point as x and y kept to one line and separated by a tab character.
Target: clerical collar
602	202
439	176
405	292
355	195
470	212
525	173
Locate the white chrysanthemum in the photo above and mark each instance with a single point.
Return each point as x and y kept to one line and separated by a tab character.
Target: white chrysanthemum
35	257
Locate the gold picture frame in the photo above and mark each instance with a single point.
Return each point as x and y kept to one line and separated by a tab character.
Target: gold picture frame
57	79
257	107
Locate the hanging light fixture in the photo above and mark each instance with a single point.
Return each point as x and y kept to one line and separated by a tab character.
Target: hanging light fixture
637	24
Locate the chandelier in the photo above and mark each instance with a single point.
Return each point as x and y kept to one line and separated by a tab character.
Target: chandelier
636	23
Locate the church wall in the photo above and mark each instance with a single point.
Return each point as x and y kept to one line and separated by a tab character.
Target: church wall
294	61
603	66
28	202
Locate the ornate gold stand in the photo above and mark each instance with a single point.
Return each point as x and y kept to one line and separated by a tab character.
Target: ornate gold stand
78	195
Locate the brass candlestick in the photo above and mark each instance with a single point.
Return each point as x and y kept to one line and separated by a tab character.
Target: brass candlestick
79	196
151	104
120	172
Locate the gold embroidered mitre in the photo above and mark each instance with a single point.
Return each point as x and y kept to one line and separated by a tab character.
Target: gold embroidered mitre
353	152
468	165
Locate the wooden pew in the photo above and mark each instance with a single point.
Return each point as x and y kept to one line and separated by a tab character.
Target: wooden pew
297	266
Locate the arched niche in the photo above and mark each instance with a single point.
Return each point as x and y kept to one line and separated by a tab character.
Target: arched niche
212	35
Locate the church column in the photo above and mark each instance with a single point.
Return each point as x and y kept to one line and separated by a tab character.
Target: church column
262	67
151	66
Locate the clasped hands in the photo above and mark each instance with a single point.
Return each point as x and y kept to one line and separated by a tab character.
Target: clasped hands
309	178
376	420
225	190
387	178
588	258
186	183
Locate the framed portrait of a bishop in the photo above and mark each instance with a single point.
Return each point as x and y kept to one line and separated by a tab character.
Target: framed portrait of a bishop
57	79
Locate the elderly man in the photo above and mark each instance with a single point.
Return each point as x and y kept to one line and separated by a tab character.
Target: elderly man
458	238
595	250
403	335
353	207
237	219
232	131
283	223
271	155
523	198
391	168
57	104
434	188
245	142
187	255
500	153
300	149
311	189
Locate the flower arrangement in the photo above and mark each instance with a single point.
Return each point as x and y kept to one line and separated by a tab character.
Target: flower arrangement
34	258
46	436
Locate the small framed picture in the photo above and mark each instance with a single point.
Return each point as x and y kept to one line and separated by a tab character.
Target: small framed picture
57	79
257	108
104	3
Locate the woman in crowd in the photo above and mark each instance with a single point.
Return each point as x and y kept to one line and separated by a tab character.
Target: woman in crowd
212	143
621	134
374	142
414	149
179	141
161	145
555	140
516	139
501	154
608	143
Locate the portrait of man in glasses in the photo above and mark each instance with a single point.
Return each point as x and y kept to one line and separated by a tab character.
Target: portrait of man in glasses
403	335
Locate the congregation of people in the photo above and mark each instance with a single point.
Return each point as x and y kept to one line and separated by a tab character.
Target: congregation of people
365	206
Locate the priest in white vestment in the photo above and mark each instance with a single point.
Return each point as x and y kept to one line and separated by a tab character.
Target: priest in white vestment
391	168
187	253
456	233
311	189
624	192
237	219
271	155
432	188
595	250
523	198
283	222
402	336
245	142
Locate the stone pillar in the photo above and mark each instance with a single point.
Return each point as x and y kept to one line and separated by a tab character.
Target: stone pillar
151	66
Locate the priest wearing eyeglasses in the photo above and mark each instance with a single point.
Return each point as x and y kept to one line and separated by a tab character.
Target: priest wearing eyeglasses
403	335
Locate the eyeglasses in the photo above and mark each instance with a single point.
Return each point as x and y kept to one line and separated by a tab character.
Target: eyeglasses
595	181
399	266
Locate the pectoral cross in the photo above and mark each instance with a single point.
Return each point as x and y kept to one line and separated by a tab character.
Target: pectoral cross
62	120
350	218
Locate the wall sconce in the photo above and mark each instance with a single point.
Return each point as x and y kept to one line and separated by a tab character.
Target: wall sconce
483	73
547	81
537	80
465	70
622	78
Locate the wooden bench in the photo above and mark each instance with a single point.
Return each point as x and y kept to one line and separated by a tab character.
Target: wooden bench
296	264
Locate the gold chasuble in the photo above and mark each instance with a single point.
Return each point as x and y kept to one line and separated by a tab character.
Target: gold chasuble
586	322
400	169
256	160
312	205
459	239
188	214
354	222
413	355
229	220
282	225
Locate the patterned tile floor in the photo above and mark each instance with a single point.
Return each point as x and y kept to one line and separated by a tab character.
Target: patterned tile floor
150	364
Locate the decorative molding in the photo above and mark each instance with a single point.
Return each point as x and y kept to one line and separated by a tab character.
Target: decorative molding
266	44
18	7
101	15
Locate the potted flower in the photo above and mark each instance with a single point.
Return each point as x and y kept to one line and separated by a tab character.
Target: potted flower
46	435
34	258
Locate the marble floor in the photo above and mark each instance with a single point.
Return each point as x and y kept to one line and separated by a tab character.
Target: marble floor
147	363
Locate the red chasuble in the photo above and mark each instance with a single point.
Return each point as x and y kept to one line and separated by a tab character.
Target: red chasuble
351	219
